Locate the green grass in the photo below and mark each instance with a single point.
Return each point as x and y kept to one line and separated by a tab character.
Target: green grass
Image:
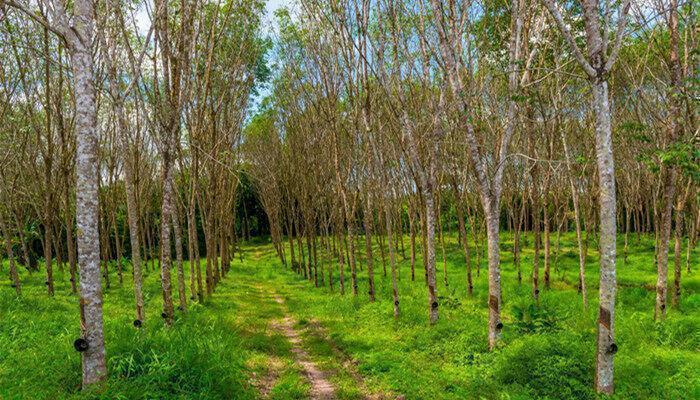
209	353
547	351
224	348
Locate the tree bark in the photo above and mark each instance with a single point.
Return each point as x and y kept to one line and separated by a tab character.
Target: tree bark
577	222
87	203
367	215
178	253
463	236
11	257
669	190
166	217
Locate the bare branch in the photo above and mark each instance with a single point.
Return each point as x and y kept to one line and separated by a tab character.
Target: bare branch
590	71
621	24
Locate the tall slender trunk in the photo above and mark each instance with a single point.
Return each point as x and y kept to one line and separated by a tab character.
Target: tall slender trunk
380	243
463	237
209	278
178	253
290	238
492	234
367	215
392	260
516	241
577	223
608	233
23	241
48	166
166	217
536	257
87	199
10	257
680	214
663	238
627	230
547	244
341	262
70	244
192	242
47	252
412	230
692	236
669	190
132	214
441	237
430	251
314	245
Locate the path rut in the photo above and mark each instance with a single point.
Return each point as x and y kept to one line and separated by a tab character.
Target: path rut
321	387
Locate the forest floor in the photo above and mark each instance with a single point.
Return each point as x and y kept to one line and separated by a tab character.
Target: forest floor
268	333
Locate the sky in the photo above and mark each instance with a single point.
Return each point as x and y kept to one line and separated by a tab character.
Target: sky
273	5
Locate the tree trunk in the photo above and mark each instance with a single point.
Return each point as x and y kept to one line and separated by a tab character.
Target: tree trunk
463	237
412	230
132	214
547	244
70	244
606	185
178	253
11	258
166	217
674	128
368	247
430	251
87	199
577	222
494	301
680	214
392	261
118	247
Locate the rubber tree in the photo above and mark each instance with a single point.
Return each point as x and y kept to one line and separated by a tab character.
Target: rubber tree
597	65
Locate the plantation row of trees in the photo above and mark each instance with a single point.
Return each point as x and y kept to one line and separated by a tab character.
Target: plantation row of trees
393	118
389	124
119	132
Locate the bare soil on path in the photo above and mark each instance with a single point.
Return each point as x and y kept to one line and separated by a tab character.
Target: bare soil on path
321	387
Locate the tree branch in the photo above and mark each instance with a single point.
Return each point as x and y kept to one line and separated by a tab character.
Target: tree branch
621	24
590	71
36	17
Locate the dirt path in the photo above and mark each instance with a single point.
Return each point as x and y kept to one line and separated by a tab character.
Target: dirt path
321	388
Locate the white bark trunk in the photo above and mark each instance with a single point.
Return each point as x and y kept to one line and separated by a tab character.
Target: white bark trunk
87	201
608	232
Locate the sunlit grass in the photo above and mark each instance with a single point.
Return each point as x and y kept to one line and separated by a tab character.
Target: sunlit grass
217	350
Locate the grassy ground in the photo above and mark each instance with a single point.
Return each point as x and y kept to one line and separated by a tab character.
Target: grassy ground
229	348
213	351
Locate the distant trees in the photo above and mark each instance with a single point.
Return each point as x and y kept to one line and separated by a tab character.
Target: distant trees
132	93
448	109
